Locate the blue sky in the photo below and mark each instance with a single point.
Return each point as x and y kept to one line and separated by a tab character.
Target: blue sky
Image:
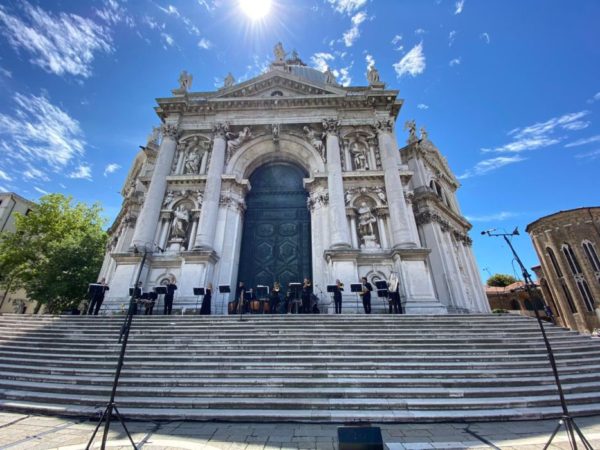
508	90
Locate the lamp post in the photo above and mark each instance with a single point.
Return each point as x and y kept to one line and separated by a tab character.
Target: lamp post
123	339
566	418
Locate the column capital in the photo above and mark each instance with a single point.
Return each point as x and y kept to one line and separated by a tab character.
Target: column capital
170	131
331	126
384	126
220	130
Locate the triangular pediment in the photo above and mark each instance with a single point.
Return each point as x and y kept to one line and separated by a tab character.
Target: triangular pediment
279	83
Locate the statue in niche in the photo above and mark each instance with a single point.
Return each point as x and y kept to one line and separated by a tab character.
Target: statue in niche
168	199
366	231
315	139
180	222
373	75
411	126
359	156
381	194
229	81
185	81
154	136
348	197
234	141
279	53
192	162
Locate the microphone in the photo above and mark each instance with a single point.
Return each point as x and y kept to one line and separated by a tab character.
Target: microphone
488	231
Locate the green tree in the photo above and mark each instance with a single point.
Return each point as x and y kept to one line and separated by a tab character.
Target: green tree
501	280
56	250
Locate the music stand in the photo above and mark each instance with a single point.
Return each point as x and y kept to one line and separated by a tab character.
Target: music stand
356	287
223	289
262	292
382	291
198	292
295	288
131	292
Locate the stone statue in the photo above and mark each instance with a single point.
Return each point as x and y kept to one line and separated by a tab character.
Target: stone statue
279	53
192	162
229	81
234	141
180	222
366	219
168	199
411	126
373	75
348	197
154	136
329	77
381	194
315	139
200	198
275	131
424	135
359	156
185	81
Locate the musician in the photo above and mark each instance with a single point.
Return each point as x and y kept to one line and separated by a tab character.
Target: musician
288	303
306	293
137	296
240	293
337	296
96	293
171	288
366	294
205	308
149	303
274	297
393	295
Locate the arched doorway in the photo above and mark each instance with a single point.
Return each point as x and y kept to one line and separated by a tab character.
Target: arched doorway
276	238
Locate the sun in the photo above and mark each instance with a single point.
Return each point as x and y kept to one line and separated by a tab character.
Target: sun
255	9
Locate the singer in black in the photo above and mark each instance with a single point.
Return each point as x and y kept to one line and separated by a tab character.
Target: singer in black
274	298
366	294
240	293
205	308
96	292
306	293
171	288
137	296
337	296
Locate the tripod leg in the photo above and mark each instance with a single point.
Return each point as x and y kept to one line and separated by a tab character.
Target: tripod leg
560	422
95	431
585	442
570	433
125	428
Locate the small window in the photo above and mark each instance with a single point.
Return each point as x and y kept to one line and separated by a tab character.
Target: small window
571	259
276	94
586	294
591	254
567	293
554	262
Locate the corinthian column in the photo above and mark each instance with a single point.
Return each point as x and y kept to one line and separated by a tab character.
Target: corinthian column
401	235
149	215
338	224
212	192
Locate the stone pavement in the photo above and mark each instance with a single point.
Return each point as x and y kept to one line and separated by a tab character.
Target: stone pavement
19	431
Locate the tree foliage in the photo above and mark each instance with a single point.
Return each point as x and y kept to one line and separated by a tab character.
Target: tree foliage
501	280
56	250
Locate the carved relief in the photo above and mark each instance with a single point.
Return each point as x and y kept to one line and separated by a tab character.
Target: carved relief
386	126
411	126
220	130
377	191
236	140
331	125
367	224
169	131
316	140
317	198
429	217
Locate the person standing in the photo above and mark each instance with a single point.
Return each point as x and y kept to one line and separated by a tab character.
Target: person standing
274	298
171	288
393	295
137	296
240	294
205	308
96	292
337	296
306	293
366	295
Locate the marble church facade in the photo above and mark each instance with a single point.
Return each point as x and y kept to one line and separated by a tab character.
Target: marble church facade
209	198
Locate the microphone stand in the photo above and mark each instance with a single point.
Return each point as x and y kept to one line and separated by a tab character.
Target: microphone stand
566	419
123	339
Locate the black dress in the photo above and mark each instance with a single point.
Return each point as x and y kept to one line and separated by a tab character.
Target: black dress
306	291
367	297
205	308
171	288
337	299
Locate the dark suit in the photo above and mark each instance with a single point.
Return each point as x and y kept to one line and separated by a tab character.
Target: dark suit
306	292
366	298
337	299
205	308
171	288
96	298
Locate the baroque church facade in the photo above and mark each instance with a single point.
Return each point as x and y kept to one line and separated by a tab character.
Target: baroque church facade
285	176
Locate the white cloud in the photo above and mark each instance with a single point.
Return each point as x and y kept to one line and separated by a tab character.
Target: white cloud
110	168
113	12
458	6
584	141
488	165
495	217
189	26
59	44
420	31
4	176
345	78
153	24
413	63
451	38
595	98
594	154
346	6
171	10
38	131
205	44
485	37
209	5
83	171
422	106
396	40
35	174
454	62
168	39
577	125
41	191
370	61
5	72
353	33
541	134
320	61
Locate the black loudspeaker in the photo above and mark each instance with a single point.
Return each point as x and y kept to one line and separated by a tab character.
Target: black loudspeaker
360	438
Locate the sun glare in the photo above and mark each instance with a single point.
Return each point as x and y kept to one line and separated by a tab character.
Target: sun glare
255	9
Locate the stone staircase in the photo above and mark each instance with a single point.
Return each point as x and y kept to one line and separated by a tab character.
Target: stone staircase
324	368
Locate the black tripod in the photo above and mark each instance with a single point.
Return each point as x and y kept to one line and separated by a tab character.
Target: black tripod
566	419
123	338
